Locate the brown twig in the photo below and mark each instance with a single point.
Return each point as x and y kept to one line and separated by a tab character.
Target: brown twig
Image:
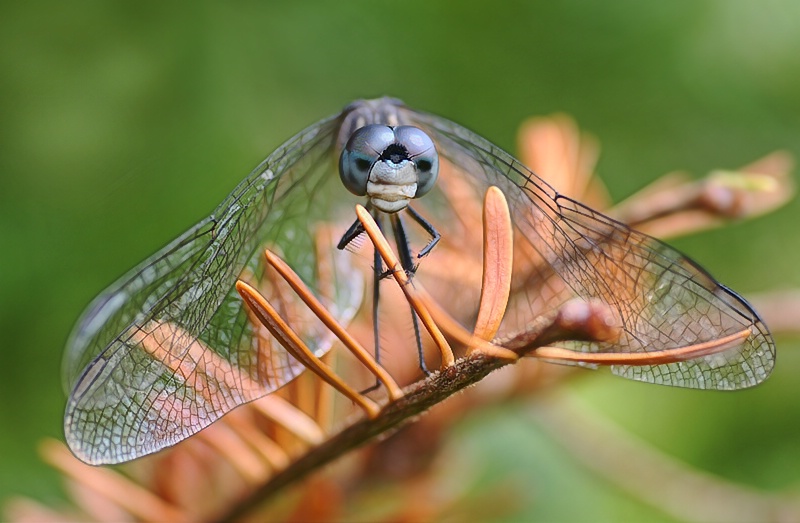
417	398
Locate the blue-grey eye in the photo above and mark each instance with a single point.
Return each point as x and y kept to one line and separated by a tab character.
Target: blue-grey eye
362	150
423	153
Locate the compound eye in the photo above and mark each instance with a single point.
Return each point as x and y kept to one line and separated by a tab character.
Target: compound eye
423	153
362	150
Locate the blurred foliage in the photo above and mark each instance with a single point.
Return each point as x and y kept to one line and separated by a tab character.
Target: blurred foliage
122	124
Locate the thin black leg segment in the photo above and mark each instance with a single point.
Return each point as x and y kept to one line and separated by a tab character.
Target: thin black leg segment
429	228
376	296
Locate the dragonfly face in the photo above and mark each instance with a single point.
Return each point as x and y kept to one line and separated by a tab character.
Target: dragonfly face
170	348
390	165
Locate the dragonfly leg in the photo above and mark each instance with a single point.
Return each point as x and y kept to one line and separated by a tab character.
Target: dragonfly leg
423	367
376	296
406	261
350	234
429	228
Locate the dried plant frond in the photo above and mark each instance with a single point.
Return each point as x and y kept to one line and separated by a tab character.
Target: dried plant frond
676	205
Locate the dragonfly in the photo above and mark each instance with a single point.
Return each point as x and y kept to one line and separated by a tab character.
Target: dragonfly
168	348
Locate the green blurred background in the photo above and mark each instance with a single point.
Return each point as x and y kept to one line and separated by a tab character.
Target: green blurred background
121	124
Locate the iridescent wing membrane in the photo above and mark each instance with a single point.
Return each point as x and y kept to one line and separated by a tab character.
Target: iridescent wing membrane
662	299
169	348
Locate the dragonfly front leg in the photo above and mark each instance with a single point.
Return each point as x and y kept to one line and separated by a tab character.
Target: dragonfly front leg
353	232
429	228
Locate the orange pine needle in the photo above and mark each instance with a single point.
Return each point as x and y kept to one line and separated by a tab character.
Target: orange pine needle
283	413
660	357
325	317
135	499
269	317
498	258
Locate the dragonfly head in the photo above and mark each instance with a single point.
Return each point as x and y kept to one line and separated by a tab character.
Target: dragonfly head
389	165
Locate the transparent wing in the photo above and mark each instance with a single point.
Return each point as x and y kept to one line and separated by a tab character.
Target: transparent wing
662	299
169	348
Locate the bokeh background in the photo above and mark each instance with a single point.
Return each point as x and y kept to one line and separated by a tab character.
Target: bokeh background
121	124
